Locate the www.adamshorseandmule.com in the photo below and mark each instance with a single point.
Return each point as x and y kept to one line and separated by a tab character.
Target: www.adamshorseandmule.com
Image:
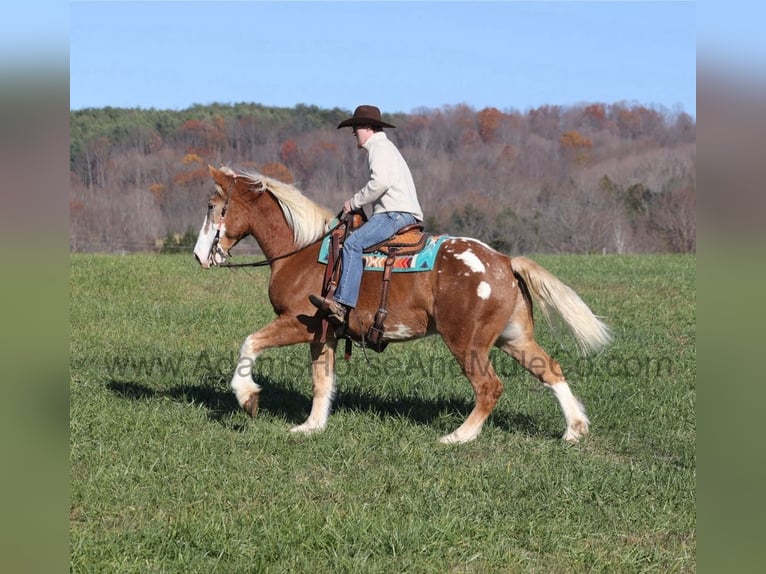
277	368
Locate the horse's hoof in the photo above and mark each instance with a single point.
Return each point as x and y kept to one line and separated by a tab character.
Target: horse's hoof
449	439
571	437
305	429
251	405
575	432
455	438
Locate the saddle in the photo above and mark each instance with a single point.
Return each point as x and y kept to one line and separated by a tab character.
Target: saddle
409	240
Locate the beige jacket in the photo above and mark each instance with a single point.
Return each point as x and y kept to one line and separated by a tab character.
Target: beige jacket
391	187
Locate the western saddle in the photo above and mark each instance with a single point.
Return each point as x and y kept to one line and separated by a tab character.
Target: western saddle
407	241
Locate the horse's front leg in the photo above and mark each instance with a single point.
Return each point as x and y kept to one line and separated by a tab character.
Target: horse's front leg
281	332
323	382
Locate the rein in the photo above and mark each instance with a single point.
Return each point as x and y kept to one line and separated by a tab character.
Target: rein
263	263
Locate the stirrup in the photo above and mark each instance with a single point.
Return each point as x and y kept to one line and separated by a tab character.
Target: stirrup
336	312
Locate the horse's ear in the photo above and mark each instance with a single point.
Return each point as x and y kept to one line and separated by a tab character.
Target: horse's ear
219	177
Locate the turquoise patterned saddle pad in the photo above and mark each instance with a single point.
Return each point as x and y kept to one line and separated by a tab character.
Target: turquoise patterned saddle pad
421	261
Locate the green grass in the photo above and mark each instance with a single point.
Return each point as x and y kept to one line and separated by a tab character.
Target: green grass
168	475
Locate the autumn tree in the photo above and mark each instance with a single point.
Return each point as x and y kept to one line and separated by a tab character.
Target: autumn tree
204	137
595	115
575	147
489	120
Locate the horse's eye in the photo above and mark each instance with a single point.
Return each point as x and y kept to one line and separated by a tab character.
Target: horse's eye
210	206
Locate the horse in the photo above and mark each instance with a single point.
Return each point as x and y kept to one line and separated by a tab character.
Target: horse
475	298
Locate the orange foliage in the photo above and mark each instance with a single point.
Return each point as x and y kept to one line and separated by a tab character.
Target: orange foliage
638	121
575	145
327	146
204	136
278	171
629	123
192	158
193	127
288	151
574	140
596	113
489	120
200	151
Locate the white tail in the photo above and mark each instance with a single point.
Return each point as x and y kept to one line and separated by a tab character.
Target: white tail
550	293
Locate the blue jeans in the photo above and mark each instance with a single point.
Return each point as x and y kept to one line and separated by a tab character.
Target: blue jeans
378	228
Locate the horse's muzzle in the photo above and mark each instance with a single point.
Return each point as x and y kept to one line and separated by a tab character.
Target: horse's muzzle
204	264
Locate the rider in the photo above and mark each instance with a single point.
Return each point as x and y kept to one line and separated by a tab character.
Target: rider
391	192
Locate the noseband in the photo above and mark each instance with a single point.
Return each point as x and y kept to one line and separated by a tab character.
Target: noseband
216	248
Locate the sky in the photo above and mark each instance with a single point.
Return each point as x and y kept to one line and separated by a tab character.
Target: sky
400	56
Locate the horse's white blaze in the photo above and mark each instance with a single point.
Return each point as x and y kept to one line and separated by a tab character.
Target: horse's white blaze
484	290
204	243
574	413
474	263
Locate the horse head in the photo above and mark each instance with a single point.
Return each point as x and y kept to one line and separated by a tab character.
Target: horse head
280	218
223	226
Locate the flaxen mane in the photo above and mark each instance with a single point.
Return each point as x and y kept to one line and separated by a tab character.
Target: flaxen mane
308	220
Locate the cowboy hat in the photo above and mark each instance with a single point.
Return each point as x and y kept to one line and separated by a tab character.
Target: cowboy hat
365	116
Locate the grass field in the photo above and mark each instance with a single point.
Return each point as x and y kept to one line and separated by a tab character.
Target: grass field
168	475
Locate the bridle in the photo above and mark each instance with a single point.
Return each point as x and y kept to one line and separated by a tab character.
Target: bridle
215	248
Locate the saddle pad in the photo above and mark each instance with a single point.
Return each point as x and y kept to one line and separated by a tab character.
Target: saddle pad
421	261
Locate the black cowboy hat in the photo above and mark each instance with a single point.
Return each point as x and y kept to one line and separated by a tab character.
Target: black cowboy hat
365	116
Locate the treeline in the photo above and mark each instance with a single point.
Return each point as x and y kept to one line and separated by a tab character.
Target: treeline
590	178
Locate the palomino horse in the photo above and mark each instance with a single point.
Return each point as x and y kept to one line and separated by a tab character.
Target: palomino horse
474	298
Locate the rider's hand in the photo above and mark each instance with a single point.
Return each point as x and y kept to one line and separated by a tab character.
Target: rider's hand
347	207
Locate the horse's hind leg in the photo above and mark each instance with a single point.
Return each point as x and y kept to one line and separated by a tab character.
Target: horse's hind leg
548	371
518	340
323	380
486	386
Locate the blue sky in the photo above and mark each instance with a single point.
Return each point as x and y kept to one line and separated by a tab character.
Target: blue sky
398	55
